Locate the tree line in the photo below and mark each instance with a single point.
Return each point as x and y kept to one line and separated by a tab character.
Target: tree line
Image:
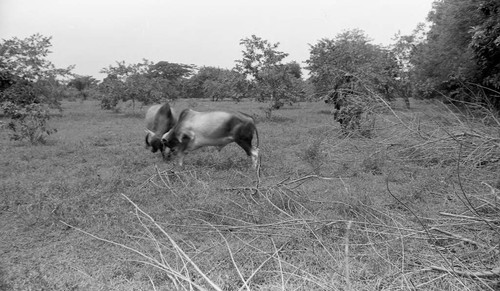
456	55
260	74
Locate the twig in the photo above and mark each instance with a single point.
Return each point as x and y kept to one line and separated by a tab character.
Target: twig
173	243
165	183
308	177
279	263
419	286
493	191
469	203
309	276
152	283
245	284
262	264
495	272
459	237
421	223
482	219
240	188
346	251
150	261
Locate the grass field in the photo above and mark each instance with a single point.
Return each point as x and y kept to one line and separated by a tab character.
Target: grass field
414	205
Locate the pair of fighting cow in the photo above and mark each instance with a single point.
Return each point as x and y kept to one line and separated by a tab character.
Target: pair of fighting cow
192	129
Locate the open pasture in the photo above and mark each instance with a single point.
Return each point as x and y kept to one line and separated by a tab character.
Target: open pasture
94	210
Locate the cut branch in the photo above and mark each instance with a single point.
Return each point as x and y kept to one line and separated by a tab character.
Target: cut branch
495	272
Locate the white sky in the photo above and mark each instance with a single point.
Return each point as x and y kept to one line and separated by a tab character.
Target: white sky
93	34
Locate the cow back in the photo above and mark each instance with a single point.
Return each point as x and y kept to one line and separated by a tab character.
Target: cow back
160	118
210	124
213	127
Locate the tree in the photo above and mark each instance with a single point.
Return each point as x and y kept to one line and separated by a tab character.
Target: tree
444	59
170	78
29	85
460	55
81	83
348	71
351	53
144	82
404	50
485	44
217	84
170	71
273	80
121	85
280	83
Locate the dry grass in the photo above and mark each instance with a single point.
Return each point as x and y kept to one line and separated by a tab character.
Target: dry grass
415	206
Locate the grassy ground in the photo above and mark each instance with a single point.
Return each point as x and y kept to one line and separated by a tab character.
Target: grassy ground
412	205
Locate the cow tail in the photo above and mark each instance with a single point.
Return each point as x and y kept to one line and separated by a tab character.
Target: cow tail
254	128
256	134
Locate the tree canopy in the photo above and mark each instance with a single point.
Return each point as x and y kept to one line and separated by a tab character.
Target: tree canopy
146	82
351	53
262	63
29	86
217	84
26	75
460	54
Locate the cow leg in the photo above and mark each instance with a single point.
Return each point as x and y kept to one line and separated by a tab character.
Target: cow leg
166	153
246	145
169	153
180	160
182	147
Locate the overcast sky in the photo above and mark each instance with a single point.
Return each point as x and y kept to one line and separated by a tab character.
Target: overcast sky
93	34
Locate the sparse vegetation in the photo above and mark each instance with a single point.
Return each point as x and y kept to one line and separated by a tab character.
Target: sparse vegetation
415	206
29	86
368	194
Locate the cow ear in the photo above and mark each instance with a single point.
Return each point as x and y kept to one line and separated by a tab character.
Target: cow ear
185	137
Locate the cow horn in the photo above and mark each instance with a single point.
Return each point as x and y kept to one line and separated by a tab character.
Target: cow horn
149	131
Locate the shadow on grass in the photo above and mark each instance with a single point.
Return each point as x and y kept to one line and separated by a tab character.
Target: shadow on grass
274	118
327	112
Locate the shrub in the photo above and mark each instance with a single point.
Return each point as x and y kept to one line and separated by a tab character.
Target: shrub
109	101
29	85
28	122
314	156
349	117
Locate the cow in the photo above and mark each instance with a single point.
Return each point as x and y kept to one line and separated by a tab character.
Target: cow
214	128
160	118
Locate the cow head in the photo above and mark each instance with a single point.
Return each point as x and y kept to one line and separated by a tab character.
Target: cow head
169	140
153	141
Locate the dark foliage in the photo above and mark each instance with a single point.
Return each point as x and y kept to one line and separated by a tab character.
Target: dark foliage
460	54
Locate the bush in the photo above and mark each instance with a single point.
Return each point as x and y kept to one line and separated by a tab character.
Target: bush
29	85
109	101
28	122
349	117
353	111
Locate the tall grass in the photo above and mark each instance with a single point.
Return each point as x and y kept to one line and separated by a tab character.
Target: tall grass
412	206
